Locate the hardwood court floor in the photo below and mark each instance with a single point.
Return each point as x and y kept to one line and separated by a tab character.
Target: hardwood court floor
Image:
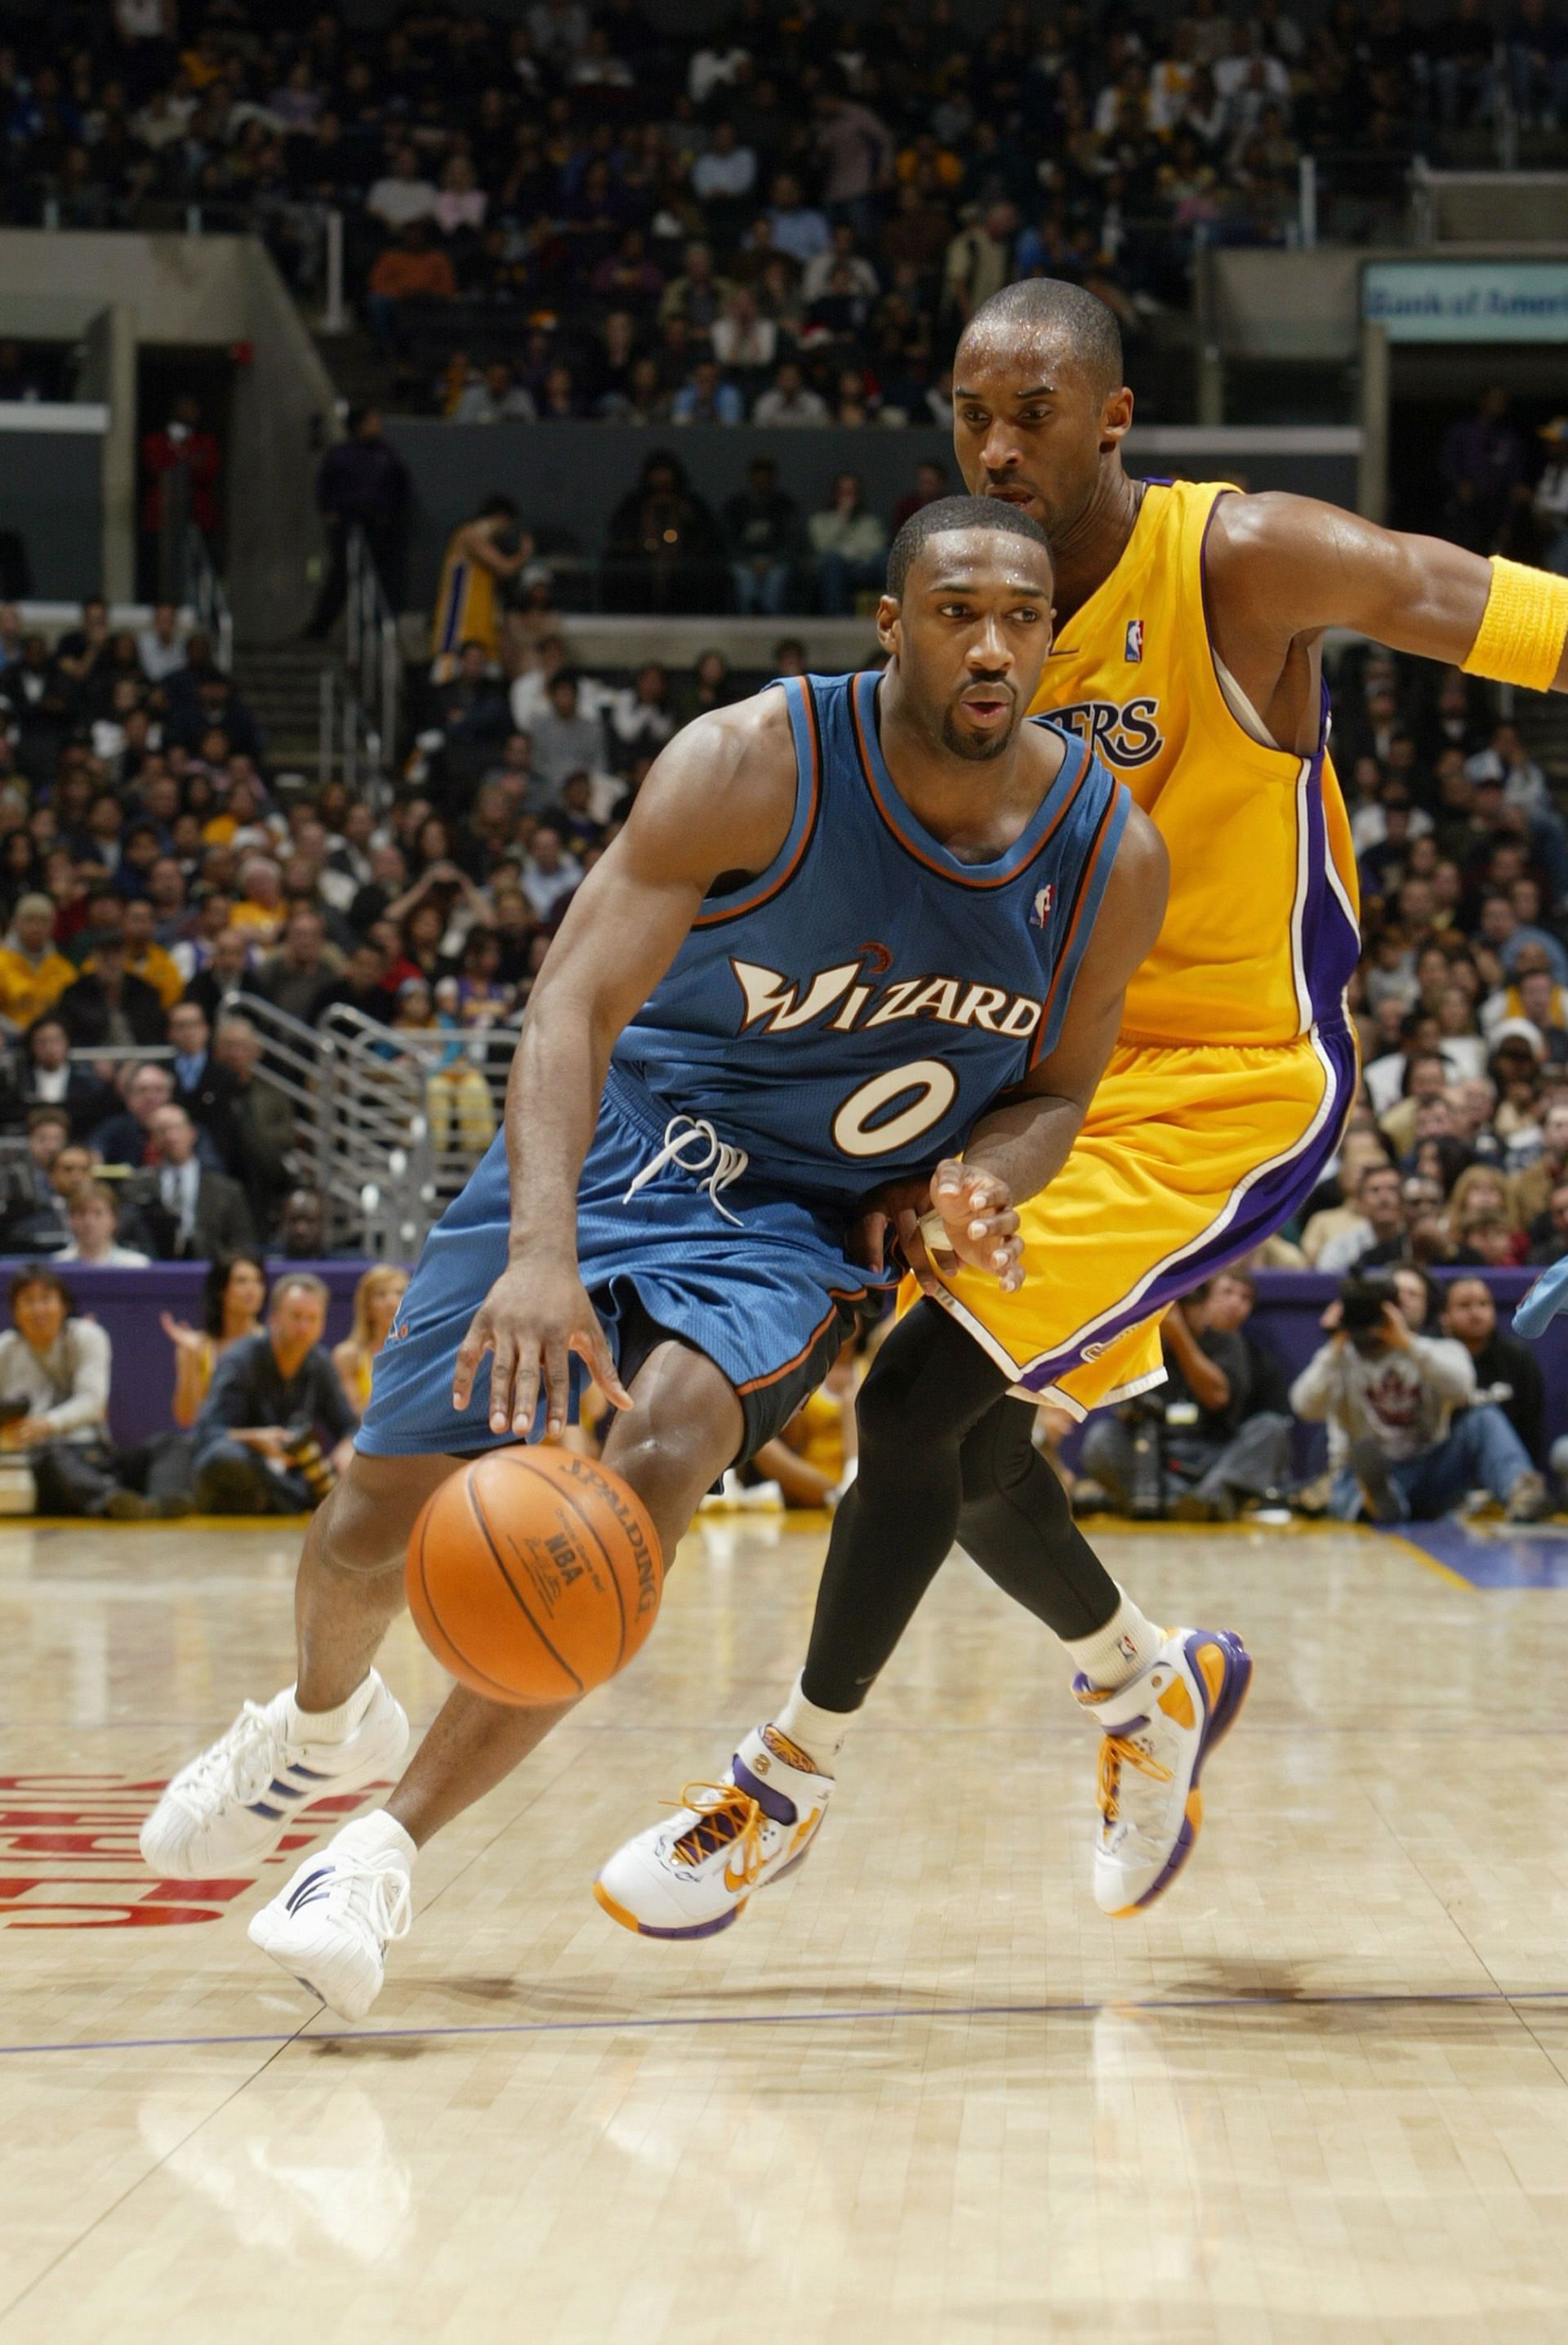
923	2093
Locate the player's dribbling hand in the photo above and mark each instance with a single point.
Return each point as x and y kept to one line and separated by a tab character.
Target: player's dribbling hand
533	1319
974	1223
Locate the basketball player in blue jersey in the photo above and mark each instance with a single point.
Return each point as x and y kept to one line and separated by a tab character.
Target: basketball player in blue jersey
843	919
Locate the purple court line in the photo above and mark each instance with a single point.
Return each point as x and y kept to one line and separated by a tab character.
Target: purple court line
1437	1999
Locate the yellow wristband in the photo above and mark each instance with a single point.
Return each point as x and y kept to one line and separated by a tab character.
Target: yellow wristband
1522	629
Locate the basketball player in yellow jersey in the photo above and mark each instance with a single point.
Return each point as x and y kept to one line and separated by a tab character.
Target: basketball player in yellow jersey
475	566
1188	624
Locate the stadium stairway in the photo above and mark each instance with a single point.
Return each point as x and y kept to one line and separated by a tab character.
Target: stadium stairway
281	684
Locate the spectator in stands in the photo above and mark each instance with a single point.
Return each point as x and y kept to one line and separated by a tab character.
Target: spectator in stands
376	1300
850	545
93	1217
1198	1447
549	873
402	195
107	1006
125	1136
1507	1372
762	526
566	740
1552	1243
1378	1229
233	1297
263	1117
640	718
930	482
789	401
1425	1079
158	647
1530	1191
31	1210
146	958
183	1210
361	484
412	270
32	973
225	976
294	978
1405	1435
46	1076
1482	463
54	1369
302	1226
665	551
206	1090
275	1429
706	398
496	397
182	464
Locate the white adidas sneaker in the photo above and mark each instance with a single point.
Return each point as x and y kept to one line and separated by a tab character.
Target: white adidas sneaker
330	1926
692	1876
230	1807
1158	1728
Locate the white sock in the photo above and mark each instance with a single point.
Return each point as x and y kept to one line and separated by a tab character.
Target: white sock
1127	1644
379	1835
818	1733
331	1725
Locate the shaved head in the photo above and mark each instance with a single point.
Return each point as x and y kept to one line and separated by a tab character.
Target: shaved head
1085	328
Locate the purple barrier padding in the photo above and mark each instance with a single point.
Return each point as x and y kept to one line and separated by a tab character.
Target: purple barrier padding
128	1304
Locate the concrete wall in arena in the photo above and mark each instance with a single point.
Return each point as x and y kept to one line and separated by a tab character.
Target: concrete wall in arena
205	292
52	494
568	478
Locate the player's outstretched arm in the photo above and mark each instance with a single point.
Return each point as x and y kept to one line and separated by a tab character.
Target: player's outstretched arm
1018	1149
720	799
1279	567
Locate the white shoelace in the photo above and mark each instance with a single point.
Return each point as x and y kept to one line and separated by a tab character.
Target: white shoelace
241	1763
390	1901
715	1166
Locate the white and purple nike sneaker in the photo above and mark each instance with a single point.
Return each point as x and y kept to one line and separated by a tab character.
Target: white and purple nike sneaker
691	1876
1158	1728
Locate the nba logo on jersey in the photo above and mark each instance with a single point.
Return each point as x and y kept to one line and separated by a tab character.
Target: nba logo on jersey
1040	910
1135	639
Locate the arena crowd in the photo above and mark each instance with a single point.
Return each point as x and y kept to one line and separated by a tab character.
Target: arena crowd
568	211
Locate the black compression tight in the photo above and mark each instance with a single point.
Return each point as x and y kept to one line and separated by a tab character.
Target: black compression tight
944	1455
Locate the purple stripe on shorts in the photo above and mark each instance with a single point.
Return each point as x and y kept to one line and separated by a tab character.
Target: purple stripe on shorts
1270	1200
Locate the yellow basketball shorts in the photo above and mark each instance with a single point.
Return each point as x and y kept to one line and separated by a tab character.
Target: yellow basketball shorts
1188	1158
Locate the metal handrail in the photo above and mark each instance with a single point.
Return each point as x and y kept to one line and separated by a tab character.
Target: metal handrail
374	654
204	593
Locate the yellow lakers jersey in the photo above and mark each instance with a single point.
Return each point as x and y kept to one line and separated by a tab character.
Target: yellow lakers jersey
465	605
1262	932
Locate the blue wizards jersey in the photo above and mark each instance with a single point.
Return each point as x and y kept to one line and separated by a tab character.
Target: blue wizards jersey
851	1011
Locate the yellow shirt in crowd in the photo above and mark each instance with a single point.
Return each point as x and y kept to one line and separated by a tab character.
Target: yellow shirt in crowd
28	988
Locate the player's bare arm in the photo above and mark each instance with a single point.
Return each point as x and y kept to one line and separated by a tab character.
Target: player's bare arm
1018	1149
1280	569
720	799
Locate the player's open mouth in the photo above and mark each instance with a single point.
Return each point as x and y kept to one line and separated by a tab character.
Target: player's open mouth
1015	495
987	707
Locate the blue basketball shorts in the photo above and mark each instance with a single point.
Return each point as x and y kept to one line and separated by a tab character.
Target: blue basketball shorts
752	1276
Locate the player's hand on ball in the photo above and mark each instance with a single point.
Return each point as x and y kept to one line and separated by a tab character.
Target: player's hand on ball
974	1223
533	1319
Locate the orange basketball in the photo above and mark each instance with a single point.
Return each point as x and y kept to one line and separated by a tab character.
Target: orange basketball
533	1574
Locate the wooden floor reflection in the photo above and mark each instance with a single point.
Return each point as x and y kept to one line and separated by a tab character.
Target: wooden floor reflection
924	2092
